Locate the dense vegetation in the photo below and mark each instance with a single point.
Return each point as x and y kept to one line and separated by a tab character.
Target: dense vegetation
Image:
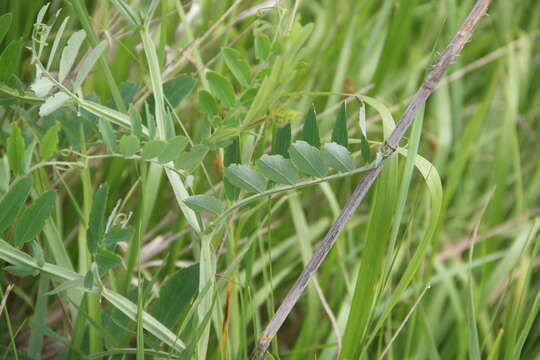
168	167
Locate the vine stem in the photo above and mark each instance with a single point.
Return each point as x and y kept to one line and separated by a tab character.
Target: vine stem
388	148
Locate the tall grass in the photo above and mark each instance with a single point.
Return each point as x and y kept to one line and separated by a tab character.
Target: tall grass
141	215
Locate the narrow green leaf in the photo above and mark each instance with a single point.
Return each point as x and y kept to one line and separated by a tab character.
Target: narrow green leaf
129	14
5	24
337	157
136	122
310	132
96	225
88	281
49	142
53	103
37	253
262	45
28	154
115	235
308	159
238	66
107	134
339	133
88	63
281	141
205	204
10	60
221	87
15	149
174	148
107	260
175	296
245	178
69	54
129	145
13	201
56	42
191	160
21	271
278	169
33	218
66	285
231	156
5	174
208	103
153	149
364	146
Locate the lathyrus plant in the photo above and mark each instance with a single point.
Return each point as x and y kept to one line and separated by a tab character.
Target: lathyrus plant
245	115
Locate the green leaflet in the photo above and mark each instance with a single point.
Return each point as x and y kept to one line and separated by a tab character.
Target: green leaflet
245	178
153	149
129	145
49	142
69	54
278	169
238	66
13	201
338	157
208	103
173	149
308	159
339	133
33	218
310	132
281	141
96	225
53	103
192	159
15	149
221	87
10	60
205	204
5	23
232	156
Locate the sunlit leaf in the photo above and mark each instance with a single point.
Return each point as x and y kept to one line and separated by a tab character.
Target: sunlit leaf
88	63
69	54
53	103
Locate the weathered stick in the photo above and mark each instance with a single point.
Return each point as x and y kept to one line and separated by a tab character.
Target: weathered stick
428	86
